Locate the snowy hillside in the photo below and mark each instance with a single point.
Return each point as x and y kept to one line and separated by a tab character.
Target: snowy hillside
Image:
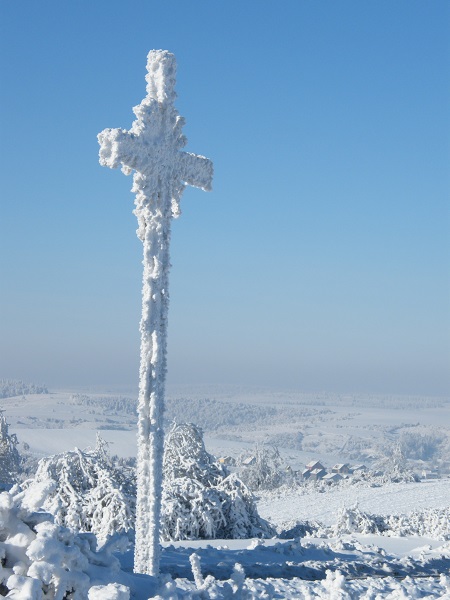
330	428
360	538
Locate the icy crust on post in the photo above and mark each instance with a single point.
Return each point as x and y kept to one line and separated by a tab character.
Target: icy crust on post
161	76
153	150
152	147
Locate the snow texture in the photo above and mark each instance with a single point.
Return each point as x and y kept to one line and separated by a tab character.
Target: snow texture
152	149
40	560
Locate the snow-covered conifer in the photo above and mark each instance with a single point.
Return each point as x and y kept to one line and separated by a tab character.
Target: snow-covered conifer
201	500
394	467
9	455
84	491
266	471
13	387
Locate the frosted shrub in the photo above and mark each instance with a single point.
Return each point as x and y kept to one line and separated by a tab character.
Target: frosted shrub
433	523
185	456
421	446
200	499
9	456
268	470
84	492
354	520
42	560
394	466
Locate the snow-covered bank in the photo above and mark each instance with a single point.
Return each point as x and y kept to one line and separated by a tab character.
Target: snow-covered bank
391	498
41	560
356	559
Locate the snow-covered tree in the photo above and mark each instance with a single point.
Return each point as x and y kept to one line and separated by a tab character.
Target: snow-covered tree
418	445
9	455
13	387
393	465
201	500
84	491
267	471
41	560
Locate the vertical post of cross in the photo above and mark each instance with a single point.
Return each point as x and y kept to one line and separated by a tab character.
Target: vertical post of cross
152	148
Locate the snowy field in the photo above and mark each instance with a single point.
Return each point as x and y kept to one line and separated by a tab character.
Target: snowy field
342	561
330	428
284	506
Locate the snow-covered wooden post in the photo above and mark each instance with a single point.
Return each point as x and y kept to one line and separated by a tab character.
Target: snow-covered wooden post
153	150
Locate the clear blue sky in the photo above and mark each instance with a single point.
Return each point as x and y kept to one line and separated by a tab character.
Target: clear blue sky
320	261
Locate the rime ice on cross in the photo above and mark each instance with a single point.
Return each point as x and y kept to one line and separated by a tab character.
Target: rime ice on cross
153	150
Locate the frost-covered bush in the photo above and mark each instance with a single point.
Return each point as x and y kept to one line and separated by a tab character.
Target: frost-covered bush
354	520
28	463
421	446
9	455
40	560
10	388
84	491
87	491
201	500
268	470
393	466
434	523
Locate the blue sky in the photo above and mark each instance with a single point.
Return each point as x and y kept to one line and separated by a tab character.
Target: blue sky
320	261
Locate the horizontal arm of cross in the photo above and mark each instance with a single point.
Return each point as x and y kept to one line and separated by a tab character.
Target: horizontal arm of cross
196	170
117	148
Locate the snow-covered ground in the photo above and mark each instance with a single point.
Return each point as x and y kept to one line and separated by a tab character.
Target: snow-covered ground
286	505
327	427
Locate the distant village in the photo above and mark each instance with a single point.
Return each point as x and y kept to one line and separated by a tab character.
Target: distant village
316	471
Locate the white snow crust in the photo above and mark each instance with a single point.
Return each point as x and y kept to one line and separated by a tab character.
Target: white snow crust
41	560
409	560
352	559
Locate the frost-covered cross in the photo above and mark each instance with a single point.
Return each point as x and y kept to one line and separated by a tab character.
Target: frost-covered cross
153	150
